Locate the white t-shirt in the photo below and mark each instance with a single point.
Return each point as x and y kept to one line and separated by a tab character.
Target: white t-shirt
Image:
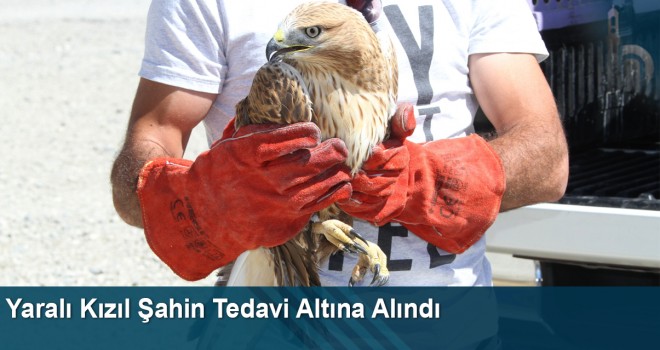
217	46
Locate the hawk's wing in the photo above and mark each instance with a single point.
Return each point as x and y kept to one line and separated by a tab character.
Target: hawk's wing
278	95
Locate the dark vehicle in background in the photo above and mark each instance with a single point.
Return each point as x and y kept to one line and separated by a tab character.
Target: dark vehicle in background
604	70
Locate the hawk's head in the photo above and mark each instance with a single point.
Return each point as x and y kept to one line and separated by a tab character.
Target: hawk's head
324	34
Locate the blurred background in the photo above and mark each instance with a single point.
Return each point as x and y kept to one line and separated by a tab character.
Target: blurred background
68	73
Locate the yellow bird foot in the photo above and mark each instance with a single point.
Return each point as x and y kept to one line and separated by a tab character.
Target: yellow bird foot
376	262
371	257
341	235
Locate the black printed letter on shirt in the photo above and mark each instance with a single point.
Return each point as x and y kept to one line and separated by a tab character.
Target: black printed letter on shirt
385	235
420	56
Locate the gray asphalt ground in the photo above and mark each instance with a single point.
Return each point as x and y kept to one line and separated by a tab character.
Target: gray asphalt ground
68	72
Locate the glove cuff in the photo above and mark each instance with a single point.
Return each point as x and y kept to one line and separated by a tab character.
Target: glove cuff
174	229
455	191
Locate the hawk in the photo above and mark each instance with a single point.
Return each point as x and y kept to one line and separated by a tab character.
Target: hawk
325	65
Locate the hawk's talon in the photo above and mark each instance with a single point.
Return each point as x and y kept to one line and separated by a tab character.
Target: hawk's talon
376	262
376	272
380	281
370	256
358	236
354	248
360	249
341	235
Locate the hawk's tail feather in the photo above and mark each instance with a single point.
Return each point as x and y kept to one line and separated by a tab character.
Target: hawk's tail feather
223	275
294	261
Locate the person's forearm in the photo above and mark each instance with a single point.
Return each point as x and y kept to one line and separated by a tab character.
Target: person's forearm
124	177
515	96
535	160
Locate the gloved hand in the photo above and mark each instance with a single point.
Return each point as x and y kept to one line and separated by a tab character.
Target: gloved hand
255	187
448	192
380	187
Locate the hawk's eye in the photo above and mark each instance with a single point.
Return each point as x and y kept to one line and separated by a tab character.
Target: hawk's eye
313	32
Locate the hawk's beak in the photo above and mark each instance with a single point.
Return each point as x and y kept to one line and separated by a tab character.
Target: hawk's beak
276	48
272	48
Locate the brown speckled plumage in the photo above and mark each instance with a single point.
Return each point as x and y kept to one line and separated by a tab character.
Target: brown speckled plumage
278	95
345	81
352	85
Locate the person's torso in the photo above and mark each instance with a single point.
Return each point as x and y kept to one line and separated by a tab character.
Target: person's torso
432	50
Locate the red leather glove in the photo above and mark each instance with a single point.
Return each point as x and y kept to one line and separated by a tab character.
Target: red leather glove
255	187
380	187
448	192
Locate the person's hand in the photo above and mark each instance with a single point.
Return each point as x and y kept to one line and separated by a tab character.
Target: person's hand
448	192
257	186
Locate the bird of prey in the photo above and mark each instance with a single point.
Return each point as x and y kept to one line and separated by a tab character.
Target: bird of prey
325	65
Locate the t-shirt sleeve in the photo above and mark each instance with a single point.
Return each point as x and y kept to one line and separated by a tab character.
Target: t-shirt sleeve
183	45
505	26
